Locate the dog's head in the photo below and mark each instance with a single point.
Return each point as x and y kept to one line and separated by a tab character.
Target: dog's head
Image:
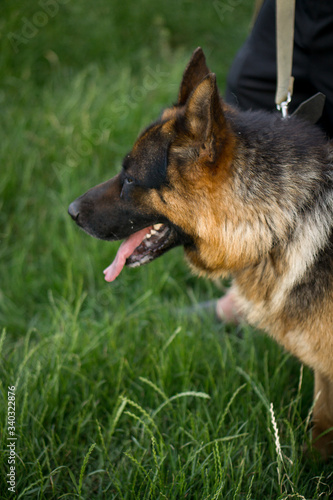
165	194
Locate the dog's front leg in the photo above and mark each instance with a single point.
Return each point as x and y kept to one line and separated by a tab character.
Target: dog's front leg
322	437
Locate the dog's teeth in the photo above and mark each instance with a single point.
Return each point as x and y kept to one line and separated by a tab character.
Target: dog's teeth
148	244
152	231
149	235
157	226
145	259
135	264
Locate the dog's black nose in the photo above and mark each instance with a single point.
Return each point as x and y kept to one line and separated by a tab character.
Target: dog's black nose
73	210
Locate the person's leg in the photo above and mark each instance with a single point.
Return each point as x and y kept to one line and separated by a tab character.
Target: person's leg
251	82
319	14
252	78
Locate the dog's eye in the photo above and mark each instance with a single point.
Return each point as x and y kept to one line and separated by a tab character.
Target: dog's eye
128	181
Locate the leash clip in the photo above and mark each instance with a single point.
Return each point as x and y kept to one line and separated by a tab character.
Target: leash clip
283	107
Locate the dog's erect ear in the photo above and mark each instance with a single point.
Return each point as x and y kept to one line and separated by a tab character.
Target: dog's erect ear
204	115
195	72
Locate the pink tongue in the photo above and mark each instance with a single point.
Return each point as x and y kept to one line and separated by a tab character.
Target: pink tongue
125	250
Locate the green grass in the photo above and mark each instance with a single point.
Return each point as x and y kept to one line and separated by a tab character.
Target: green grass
118	394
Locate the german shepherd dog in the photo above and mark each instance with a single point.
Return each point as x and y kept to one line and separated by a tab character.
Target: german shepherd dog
247	194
